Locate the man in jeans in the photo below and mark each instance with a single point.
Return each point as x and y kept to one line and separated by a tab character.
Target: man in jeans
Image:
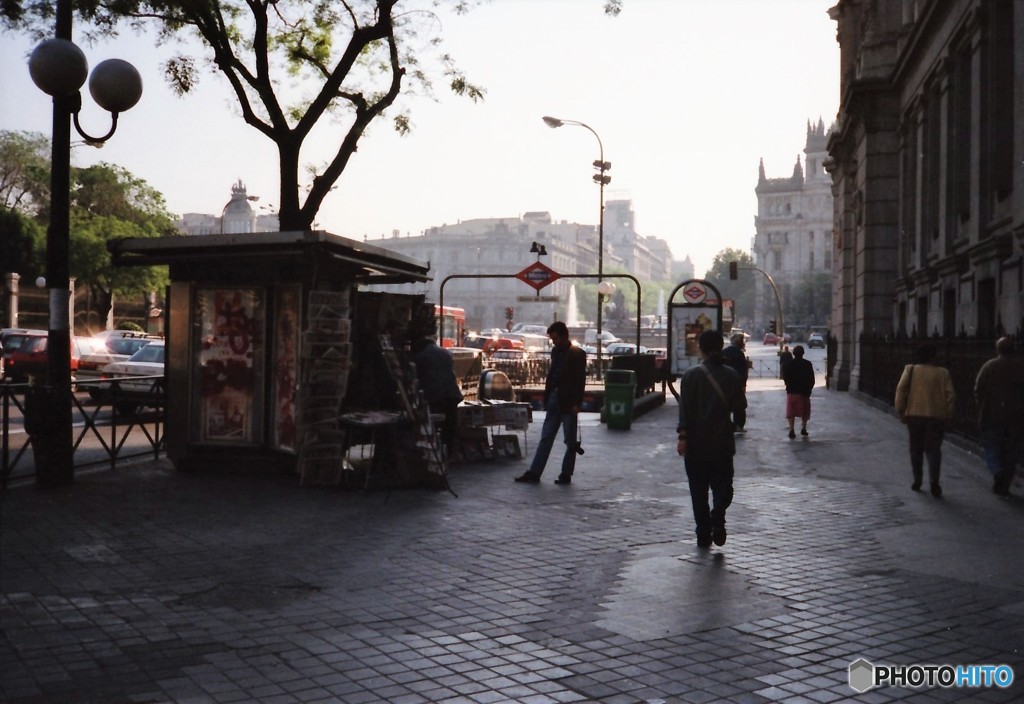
708	394
563	396
999	391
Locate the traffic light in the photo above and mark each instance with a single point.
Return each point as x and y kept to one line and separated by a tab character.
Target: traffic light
510	313
734	270
772	326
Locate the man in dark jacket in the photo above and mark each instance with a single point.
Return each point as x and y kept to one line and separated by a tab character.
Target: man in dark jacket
436	374
708	394
799	378
563	396
736	357
999	391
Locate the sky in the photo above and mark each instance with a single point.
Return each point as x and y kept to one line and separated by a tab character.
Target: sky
686	96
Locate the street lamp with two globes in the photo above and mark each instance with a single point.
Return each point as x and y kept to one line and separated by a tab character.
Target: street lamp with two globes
59	68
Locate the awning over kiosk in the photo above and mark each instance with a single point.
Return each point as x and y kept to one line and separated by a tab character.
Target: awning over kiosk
368	264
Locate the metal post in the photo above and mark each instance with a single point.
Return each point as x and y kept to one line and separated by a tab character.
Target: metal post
53	447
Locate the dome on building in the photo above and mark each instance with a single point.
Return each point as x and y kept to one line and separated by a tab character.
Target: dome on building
238	215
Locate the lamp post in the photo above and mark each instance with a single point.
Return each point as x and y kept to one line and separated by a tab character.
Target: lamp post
59	68
602	179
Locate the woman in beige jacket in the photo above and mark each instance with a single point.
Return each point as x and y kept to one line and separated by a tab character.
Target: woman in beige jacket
924	400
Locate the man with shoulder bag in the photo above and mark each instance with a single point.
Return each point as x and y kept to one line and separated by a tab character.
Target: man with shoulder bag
709	394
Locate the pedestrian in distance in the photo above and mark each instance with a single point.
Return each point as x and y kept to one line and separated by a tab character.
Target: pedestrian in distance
563	396
785	357
736	357
799	379
435	371
999	392
924	401
709	394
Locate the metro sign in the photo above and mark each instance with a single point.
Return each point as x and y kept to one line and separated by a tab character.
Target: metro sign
538	275
695	293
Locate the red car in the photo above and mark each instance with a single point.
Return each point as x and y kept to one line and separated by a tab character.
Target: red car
25	354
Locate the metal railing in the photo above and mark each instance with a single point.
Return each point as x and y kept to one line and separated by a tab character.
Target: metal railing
109	424
883	358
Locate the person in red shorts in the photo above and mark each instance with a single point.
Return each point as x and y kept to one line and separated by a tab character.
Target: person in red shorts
799	378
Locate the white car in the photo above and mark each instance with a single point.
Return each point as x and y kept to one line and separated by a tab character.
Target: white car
139	379
624	348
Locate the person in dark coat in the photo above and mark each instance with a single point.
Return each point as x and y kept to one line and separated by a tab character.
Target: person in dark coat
736	357
785	357
799	378
709	394
436	374
563	396
999	392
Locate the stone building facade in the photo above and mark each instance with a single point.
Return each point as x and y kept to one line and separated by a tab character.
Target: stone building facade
927	164
502	246
793	239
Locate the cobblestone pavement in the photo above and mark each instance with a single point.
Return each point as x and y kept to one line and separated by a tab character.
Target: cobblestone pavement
145	585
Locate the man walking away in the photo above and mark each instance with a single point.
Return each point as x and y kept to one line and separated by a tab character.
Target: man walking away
799	378
563	396
708	394
735	356
999	392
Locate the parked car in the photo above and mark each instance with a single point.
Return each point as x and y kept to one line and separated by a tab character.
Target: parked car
107	351
770	338
816	340
617	348
139	379
25	354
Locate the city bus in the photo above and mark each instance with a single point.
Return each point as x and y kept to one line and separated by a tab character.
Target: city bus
451	325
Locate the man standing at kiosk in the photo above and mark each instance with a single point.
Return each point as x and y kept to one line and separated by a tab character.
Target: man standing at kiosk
563	396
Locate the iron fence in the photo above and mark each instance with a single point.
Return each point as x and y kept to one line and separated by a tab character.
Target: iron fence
108	425
883	358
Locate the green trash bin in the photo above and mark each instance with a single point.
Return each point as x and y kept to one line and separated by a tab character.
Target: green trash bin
619	390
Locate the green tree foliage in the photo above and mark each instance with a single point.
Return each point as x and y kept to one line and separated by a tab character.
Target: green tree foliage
290	66
108	203
21	244
741	291
25	173
808	302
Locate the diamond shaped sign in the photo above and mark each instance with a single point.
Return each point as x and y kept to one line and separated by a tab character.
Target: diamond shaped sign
538	275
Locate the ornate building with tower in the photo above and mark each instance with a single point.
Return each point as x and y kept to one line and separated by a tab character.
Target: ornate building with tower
793	240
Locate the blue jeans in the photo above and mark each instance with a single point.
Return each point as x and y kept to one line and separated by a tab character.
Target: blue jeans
1002	450
553	419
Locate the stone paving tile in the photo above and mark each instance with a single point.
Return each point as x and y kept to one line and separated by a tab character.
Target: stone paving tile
228	588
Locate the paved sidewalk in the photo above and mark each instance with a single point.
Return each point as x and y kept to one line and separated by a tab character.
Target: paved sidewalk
145	585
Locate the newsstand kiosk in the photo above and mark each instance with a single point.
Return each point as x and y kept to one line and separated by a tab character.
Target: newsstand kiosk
276	360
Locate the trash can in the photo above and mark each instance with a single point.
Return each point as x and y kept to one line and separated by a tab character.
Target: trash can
619	390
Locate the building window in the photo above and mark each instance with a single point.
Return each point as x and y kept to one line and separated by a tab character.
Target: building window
811	262
908	181
777	260
922	316
997	105
986	308
949	312
931	163
958	170
828	260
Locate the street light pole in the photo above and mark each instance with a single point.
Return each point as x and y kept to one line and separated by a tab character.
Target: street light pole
601	178
59	69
